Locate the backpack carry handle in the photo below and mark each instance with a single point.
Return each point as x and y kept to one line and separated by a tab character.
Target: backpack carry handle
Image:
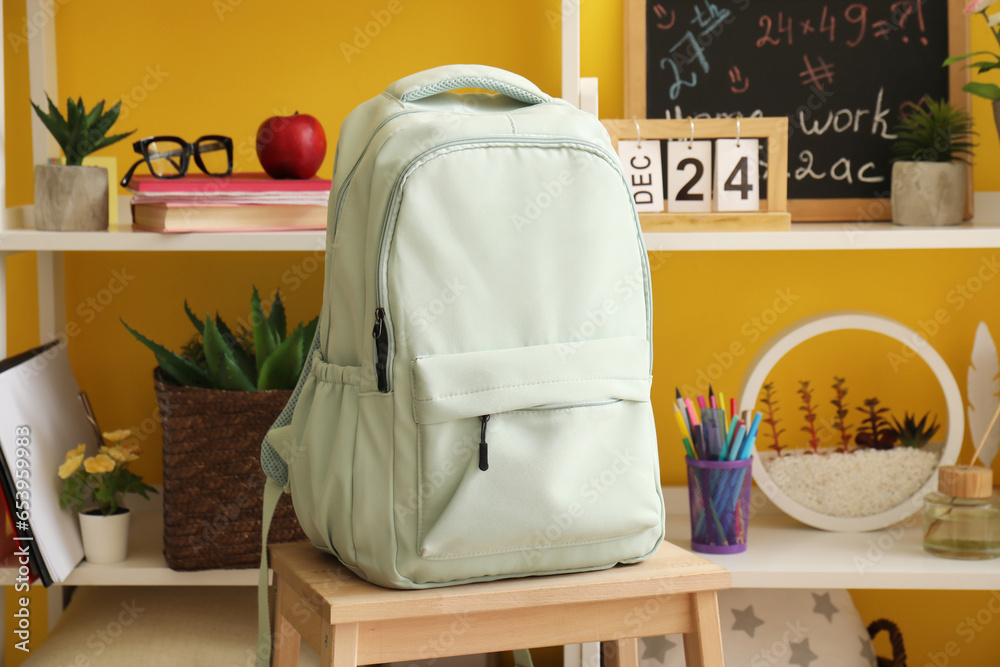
451	77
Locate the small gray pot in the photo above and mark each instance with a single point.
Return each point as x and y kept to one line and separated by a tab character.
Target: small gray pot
71	199
928	194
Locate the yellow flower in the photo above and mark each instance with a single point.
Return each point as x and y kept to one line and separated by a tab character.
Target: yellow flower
117	436
70	465
76	451
119	453
132	447
98	464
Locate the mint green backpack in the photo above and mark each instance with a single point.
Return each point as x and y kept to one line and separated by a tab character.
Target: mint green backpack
476	404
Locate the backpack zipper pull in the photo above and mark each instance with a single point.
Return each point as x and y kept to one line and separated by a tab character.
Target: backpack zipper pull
381	335
484	463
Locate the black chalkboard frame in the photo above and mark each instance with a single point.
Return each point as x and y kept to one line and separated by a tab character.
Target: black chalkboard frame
805	210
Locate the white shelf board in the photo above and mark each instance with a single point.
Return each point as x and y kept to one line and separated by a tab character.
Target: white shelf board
145	565
783	553
804	236
833	236
983	231
123	238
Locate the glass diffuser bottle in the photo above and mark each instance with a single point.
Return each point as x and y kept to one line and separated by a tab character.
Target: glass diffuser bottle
962	519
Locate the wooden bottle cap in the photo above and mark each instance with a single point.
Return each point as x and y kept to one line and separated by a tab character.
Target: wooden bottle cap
965	481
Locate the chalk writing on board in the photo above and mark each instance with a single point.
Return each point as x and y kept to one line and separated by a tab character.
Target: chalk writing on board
840	70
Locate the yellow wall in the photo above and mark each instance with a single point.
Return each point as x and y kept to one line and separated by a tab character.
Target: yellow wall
192	67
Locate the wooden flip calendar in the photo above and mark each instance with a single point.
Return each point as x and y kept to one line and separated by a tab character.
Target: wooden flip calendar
691	175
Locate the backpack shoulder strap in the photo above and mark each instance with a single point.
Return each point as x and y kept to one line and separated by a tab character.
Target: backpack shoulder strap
276	452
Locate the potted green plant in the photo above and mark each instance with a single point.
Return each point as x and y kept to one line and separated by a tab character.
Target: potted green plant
217	399
72	197
103	480
932	148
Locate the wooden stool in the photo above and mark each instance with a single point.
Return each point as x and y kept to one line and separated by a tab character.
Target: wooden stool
351	622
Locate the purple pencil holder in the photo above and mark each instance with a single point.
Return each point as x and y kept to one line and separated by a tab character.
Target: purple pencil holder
719	494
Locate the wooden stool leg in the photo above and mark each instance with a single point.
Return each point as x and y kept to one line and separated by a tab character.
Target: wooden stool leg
703	645
340	646
621	653
286	639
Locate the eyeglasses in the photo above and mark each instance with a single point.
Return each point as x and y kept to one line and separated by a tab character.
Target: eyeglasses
169	157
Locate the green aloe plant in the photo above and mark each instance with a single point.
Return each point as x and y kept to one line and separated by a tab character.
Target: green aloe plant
934	131
226	360
81	132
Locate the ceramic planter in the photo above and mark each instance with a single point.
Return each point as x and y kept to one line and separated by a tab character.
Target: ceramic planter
105	538
928	194
71	199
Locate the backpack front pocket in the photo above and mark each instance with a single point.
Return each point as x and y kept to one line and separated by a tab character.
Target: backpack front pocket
534	448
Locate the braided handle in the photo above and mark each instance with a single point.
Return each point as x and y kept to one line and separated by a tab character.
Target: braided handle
895	639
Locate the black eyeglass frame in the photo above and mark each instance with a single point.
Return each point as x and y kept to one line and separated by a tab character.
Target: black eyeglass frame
186	150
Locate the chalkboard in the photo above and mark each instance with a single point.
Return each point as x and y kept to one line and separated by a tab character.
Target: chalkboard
840	70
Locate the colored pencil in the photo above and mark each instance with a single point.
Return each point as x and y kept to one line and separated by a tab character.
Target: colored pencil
721	404
729	439
681	424
751	439
737	442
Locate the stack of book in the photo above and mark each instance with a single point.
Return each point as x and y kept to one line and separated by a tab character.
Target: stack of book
236	203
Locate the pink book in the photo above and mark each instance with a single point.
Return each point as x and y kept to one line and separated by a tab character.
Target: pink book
203	184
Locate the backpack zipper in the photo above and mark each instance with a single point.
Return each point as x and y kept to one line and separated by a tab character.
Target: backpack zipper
484	462
381	335
383	321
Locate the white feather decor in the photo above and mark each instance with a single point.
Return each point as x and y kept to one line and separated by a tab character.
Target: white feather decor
984	392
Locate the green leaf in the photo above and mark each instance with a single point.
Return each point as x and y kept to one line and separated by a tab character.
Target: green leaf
194	318
954	59
308	333
95	113
182	371
55	124
983	66
104	142
282	368
990	91
276	317
221	363
243	360
264	338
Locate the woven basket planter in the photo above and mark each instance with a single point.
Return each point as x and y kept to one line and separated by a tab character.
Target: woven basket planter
213	484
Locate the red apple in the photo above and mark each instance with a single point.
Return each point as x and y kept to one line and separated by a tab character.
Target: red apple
291	146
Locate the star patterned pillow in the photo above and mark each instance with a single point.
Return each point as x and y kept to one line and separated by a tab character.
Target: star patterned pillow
779	628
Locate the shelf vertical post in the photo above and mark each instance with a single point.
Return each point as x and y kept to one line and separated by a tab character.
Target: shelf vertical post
570	21
42	74
51	295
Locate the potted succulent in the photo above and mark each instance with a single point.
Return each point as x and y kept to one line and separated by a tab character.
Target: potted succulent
933	144
72	197
217	399
103	480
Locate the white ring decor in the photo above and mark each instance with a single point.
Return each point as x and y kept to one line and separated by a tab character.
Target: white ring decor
799	332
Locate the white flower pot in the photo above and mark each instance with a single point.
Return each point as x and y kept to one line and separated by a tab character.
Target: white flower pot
926	194
105	538
71	198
